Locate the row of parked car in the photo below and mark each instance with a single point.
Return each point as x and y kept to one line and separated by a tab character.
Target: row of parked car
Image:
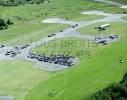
73	26
21	47
61	59
16	50
105	40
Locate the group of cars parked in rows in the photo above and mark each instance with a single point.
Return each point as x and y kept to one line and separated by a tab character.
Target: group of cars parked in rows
60	59
105	40
16	50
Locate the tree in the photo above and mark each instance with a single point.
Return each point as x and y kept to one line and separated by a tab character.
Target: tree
2	22
117	91
124	78
9	22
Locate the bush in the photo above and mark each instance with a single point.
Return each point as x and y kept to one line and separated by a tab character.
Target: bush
117	91
4	24
9	22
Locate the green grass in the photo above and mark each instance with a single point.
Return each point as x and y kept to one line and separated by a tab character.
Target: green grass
115	28
25	32
77	47
18	77
54	8
89	75
27	17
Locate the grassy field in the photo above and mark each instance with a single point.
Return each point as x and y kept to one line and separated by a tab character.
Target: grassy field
27	18
115	28
18	77
25	32
90	75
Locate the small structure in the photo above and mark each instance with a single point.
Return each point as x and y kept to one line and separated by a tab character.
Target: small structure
102	27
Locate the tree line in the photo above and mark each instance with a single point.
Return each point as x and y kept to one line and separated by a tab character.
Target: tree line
20	2
5	23
117	91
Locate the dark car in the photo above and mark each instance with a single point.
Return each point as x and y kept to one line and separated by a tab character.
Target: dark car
13	54
113	36
6	54
1	46
61	31
56	62
51	35
32	56
40	59
76	24
73	26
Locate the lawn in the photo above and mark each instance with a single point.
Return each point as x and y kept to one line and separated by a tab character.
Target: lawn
115	28
18	77
74	46
27	18
90	75
22	80
25	32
